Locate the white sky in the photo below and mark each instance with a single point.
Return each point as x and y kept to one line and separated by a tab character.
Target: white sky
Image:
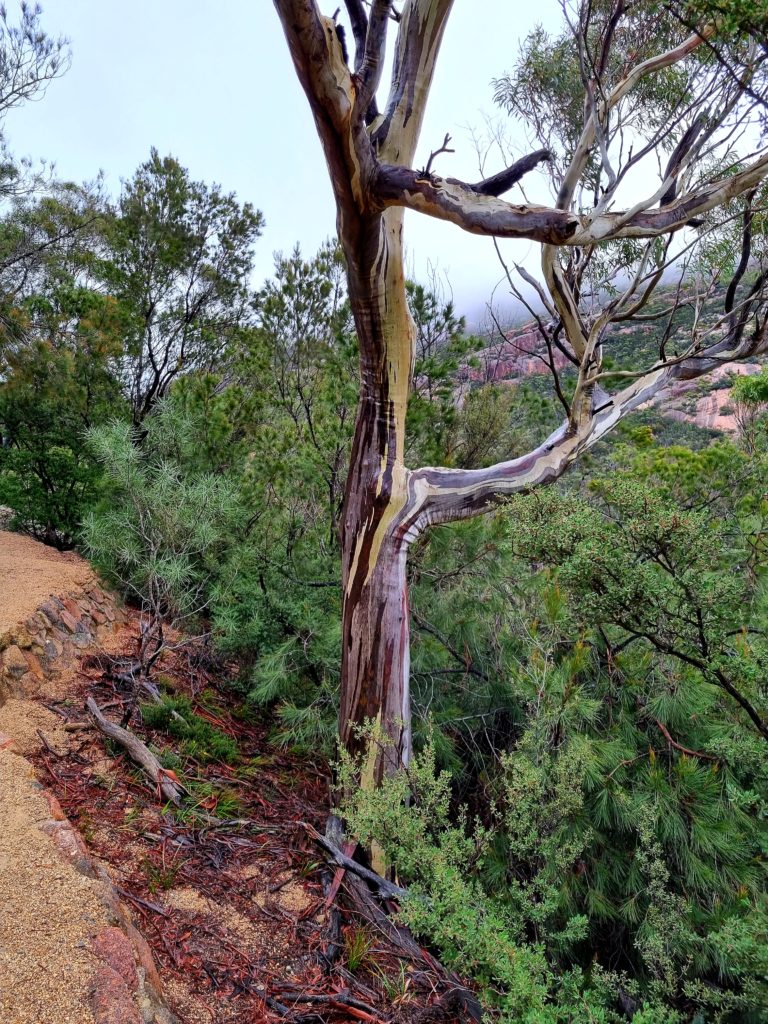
211	82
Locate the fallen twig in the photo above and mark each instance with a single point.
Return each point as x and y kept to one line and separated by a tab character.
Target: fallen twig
154	907
339	1001
47	745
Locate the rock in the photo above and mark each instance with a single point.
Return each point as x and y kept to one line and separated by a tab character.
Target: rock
146	961
51	610
71	623
72	607
23	638
52	649
29	685
33	664
114	948
14	662
46	622
8	743
70	845
55	807
111	1001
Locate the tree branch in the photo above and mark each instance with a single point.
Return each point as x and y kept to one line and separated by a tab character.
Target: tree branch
457	202
373	57
439	495
422	24
502	182
680	747
626	85
358	19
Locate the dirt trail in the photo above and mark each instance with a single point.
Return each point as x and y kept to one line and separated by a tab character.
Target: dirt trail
65	952
48	912
31	572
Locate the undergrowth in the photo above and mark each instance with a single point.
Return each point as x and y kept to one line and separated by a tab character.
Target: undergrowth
198	738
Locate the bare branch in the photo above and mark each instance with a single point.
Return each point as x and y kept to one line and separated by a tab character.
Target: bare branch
436	152
358	19
422	24
442	495
625	86
373	56
502	182
451	200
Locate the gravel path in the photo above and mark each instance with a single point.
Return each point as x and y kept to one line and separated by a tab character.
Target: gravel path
31	572
48	912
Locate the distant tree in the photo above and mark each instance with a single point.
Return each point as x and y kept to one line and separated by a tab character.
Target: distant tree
749	397
178	256
625	93
57	346
29	60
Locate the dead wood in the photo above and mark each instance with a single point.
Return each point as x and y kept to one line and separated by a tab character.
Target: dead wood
47	745
384	888
459	999
138	752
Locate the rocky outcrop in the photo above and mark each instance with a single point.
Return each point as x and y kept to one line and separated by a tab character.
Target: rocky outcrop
522	353
704	402
49	639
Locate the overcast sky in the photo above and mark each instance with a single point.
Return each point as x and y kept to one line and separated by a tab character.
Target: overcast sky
211	82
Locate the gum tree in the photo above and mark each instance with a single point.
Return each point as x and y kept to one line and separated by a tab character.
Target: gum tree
651	139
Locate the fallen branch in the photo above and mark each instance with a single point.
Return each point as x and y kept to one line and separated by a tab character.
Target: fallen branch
339	1001
139	752
364	903
385	888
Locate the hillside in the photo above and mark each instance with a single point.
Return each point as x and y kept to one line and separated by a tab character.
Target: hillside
522	358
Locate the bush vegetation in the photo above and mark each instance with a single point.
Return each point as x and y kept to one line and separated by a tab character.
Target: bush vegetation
583	830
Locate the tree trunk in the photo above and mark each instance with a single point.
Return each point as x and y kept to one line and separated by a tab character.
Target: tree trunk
375	661
376	532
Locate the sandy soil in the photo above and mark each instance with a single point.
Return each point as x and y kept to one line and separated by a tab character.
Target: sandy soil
30	572
48	911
